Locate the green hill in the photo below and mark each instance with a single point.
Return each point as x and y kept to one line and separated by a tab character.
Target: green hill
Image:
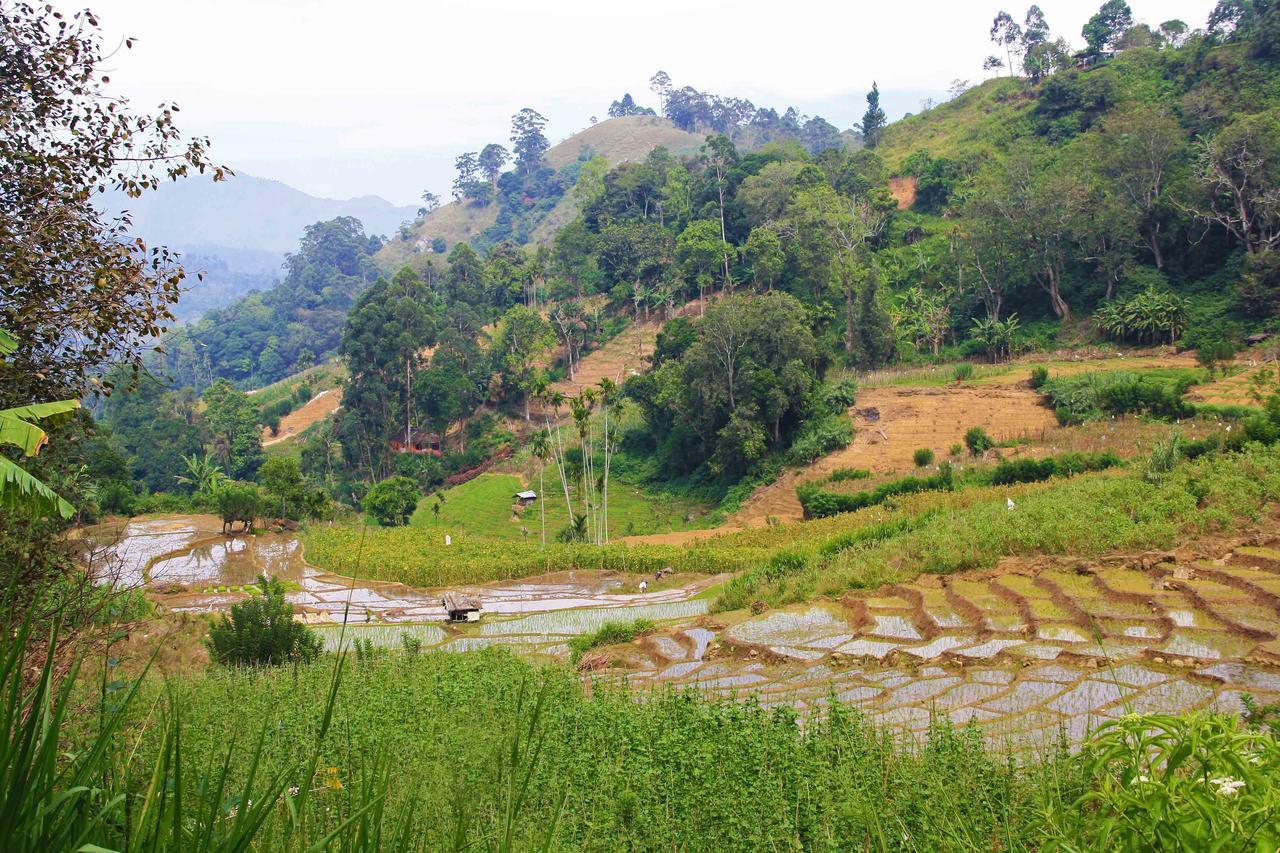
617	140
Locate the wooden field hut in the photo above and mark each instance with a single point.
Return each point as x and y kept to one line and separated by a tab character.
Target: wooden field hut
461	608
526	497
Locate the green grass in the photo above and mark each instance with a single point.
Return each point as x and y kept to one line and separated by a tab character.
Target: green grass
676	771
321	377
610	633
1087	515
483	507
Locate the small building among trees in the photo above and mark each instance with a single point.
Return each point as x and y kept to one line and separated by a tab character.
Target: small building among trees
420	441
526	497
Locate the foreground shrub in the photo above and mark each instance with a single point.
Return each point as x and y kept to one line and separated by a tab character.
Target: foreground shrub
262	631
1039	376
963	372
1161	782
922	456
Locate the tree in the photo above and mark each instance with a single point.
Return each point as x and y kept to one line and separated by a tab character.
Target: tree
233	420
1006	33
79	291
490	162
993	63
626	106
203	474
281	476
925	318
701	249
1035	29
763	255
850	225
392	501
540	447
1045	59
1138	154
261	631
874	119
468	166
876	335
741	386
523	336
528	140
1107	26
451	389
719	156
570	324
1174	32
1239	170
660	85
240	502
430	202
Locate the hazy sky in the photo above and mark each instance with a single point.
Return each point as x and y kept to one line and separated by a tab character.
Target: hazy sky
344	98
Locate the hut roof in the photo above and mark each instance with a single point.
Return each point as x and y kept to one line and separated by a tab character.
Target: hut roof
527	495
456	601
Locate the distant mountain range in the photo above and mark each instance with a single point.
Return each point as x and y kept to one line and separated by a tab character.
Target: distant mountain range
238	231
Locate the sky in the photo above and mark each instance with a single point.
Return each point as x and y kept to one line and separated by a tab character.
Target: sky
341	98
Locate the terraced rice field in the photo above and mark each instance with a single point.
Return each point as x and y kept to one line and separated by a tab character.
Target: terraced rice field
1029	652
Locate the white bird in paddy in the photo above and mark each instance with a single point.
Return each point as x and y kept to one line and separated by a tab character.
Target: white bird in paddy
1009	503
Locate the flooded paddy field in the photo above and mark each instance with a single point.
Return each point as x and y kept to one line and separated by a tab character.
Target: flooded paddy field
1030	651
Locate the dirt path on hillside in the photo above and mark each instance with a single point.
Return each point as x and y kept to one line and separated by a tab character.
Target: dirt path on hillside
295	423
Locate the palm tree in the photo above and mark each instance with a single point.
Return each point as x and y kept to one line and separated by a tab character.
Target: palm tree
18	489
541	447
608	394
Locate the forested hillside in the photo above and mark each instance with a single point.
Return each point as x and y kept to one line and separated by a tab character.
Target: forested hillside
1125	192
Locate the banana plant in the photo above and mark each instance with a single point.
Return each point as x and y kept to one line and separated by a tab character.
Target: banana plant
18	488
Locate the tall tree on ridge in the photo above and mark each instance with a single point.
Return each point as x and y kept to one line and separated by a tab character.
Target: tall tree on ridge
874	119
660	84
491	160
1107	26
1006	33
527	139
719	155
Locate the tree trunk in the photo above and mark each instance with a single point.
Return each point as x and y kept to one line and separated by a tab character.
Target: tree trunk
1052	286
1153	241
848	319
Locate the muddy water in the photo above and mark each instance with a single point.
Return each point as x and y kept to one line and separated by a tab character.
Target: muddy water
189	565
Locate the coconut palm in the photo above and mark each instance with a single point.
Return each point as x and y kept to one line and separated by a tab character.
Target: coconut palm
19	489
